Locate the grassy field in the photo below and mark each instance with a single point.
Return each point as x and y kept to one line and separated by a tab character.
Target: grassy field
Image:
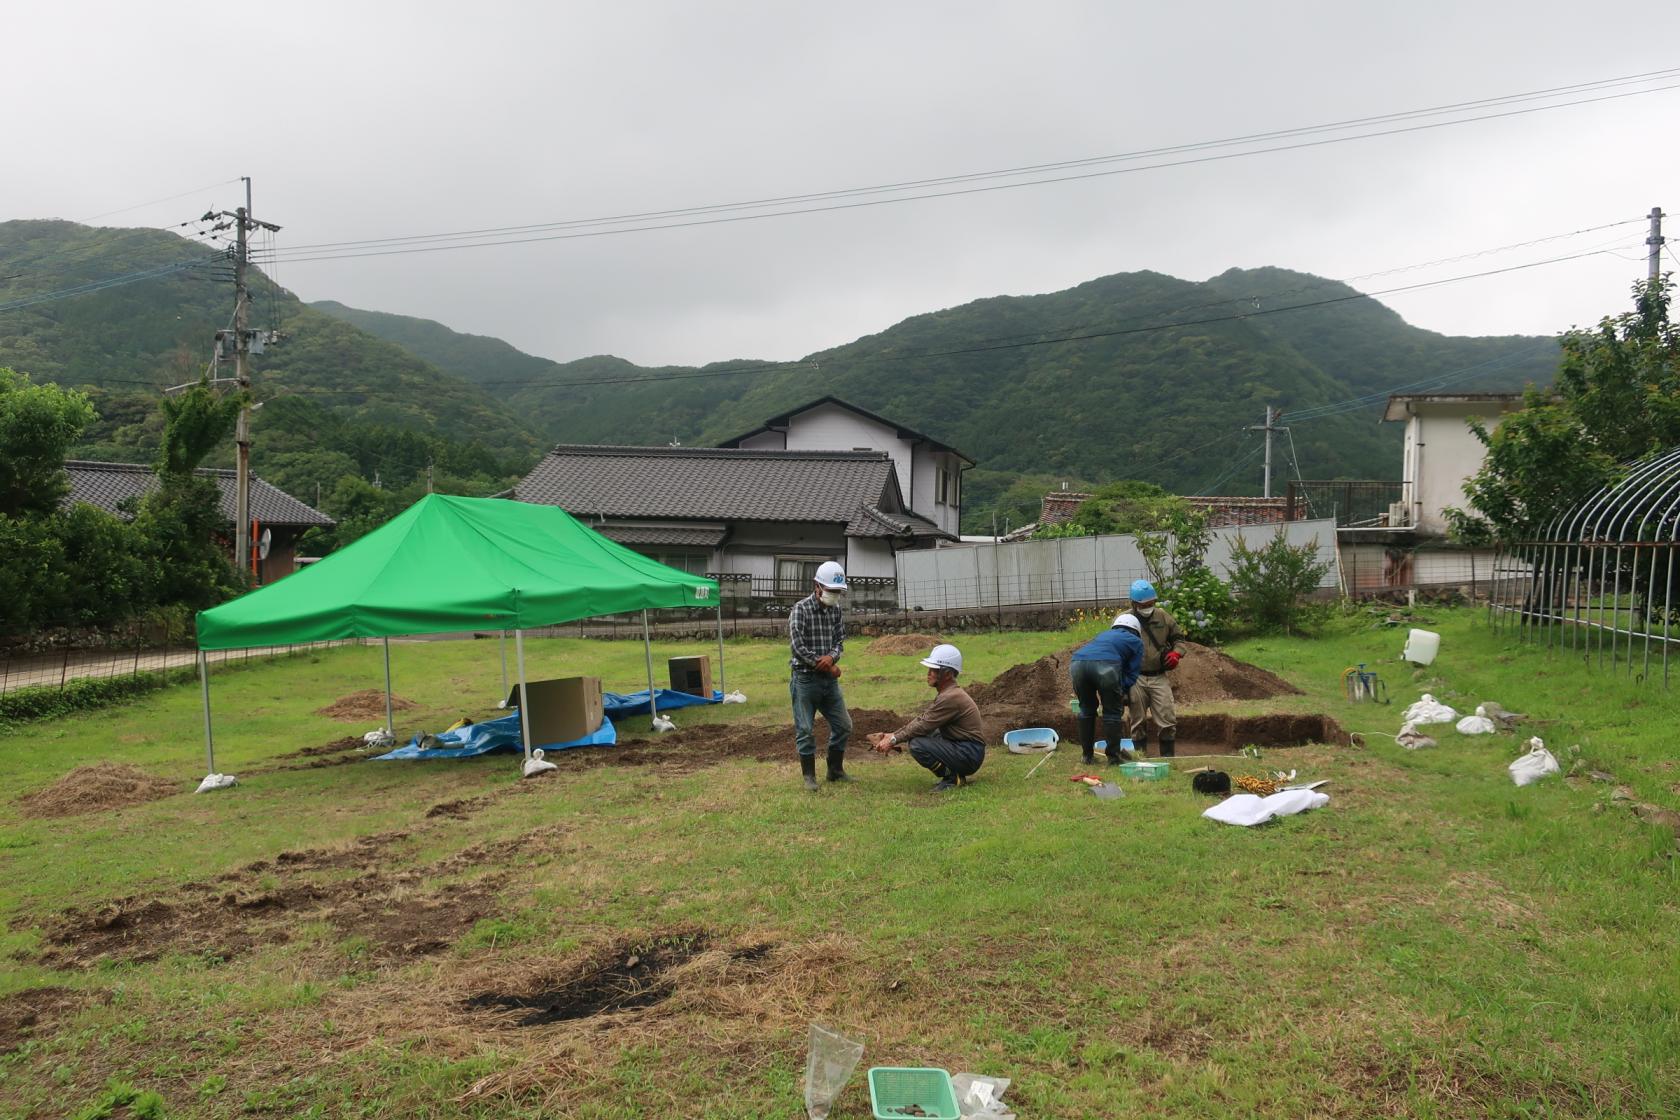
371	939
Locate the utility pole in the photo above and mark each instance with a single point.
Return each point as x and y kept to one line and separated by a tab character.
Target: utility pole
1270	426
1655	241
243	223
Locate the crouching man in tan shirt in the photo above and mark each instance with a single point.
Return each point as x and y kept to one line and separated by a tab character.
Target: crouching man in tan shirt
947	737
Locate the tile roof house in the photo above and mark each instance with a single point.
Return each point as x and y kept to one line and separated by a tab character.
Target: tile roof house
762	517
117	489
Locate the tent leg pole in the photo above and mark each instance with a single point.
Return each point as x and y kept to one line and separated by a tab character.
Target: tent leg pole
504	664
524	693
723	681
647	649
390	724
204	689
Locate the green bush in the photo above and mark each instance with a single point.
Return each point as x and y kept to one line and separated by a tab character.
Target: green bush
85	694
1268	584
1202	604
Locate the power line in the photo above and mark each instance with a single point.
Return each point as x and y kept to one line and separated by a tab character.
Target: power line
108	282
155	201
717	215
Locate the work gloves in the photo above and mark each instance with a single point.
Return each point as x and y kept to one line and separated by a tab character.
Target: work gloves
1172	659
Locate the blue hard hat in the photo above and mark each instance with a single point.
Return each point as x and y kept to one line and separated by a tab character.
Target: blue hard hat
1142	591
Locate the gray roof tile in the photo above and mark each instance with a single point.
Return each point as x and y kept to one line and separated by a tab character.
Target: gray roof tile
111	486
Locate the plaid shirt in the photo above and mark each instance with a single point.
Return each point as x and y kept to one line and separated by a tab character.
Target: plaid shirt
814	631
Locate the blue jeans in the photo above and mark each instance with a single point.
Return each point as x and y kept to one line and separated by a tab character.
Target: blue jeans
813	693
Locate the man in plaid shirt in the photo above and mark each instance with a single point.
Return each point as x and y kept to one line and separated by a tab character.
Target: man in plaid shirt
816	638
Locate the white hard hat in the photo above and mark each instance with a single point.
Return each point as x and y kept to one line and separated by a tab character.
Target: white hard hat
1129	621
944	657
831	575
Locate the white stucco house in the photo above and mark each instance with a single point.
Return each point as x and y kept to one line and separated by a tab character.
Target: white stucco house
1440	452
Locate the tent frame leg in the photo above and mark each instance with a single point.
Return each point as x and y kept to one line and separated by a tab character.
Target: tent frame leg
390	721
647	650
504	667
723	681
204	689
524	694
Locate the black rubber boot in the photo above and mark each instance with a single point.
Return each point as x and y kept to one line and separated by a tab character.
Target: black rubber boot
1140	745
1114	735
836	767
808	767
1088	736
1166	746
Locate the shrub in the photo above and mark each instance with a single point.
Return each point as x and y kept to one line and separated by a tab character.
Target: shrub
1201	603
1268	584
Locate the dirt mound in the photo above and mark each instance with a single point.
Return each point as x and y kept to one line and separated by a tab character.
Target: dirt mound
97	789
367	704
899	644
24	1015
1205	676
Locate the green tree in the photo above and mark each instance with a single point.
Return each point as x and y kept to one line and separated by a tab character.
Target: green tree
1268	584
38	425
181	520
1617	400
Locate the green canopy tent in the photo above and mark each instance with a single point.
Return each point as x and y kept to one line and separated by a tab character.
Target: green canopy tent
448	564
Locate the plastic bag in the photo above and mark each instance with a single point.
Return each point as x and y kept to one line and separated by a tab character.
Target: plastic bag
1478	724
1413	739
736	697
660	723
1429	710
535	765
981	1097
379	738
215	782
828	1067
1534	765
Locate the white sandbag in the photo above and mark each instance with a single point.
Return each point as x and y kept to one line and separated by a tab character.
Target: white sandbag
1413	739
1533	765
1500	714
1429	710
660	723
536	765
215	782
1248	810
1478	724
734	698
380	738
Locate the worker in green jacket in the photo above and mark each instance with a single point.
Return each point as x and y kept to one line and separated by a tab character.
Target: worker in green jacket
1162	651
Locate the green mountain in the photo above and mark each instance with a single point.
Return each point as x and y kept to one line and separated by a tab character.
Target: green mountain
1137	375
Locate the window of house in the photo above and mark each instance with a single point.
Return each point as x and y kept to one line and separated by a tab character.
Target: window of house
794	574
694	563
941	487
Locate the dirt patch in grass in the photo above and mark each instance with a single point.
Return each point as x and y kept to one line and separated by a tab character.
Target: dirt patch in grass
398	913
367	704
31	1014
97	789
618	977
900	644
330	750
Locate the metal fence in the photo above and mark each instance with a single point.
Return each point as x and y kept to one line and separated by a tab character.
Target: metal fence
1344	501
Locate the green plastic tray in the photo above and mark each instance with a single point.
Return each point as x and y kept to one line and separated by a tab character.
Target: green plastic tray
892	1088
1149	770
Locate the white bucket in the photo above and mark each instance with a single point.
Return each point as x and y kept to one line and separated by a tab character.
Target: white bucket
1421	647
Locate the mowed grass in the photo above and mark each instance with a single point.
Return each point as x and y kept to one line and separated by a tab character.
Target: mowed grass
1434	943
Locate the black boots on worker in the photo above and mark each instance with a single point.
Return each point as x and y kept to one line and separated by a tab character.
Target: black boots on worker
1088	737
808	767
1167	746
836	764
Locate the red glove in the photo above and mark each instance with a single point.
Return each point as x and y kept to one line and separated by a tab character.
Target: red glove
1173	658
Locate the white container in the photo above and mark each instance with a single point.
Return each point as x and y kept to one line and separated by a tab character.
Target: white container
1421	647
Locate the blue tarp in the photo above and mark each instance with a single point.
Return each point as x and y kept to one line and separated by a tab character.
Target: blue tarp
618	705
500	734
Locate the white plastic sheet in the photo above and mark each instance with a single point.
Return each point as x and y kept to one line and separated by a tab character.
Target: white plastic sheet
1429	710
1248	810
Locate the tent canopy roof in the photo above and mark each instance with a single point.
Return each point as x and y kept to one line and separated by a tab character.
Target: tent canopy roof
449	563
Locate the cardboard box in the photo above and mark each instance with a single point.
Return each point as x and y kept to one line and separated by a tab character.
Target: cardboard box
692	675
562	709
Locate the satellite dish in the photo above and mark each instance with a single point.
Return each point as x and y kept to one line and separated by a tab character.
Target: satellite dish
264	543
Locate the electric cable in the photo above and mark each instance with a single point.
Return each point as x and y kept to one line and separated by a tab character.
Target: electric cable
155	201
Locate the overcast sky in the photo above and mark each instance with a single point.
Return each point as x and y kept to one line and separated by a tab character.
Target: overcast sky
364	120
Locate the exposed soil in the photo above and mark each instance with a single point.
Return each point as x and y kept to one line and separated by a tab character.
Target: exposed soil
1204	676
359	707
328	750
27	1014
394	911
625	975
900	644
97	789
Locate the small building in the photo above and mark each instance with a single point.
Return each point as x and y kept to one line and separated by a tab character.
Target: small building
929	472
760	521
1441	453
117	489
